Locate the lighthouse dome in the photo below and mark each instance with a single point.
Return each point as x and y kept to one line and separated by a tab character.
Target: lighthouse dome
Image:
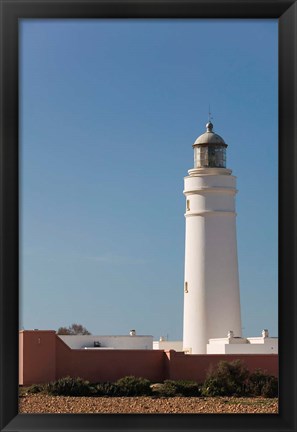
209	150
209	137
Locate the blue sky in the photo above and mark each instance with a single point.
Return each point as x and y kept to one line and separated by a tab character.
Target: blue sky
109	111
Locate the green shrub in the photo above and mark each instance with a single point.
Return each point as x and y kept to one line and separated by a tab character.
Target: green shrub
188	388
262	384
227	379
171	388
133	386
270	388
35	388
179	388
69	387
256	382
166	389
214	387
105	389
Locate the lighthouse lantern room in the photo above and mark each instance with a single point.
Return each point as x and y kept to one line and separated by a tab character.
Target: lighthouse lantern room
209	150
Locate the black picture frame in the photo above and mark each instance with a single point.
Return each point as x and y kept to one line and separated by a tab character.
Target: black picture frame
286	13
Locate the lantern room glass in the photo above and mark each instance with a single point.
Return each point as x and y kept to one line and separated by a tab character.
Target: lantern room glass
211	156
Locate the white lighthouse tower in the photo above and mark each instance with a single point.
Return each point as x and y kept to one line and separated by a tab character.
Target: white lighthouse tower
211	286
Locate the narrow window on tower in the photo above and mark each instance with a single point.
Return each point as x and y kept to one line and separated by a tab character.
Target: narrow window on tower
188	205
186	287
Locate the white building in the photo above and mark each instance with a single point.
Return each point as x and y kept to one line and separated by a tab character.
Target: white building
238	345
211	284
166	345
131	342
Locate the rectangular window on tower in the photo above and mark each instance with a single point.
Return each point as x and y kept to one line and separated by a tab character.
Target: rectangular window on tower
188	205
186	287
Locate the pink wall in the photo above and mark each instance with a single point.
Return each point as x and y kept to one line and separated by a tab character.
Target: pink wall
45	357
37	354
108	365
195	366
21	347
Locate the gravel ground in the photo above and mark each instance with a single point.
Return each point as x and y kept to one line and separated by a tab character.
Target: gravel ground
39	403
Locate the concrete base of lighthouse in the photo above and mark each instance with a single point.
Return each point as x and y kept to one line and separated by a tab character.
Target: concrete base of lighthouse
211	297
